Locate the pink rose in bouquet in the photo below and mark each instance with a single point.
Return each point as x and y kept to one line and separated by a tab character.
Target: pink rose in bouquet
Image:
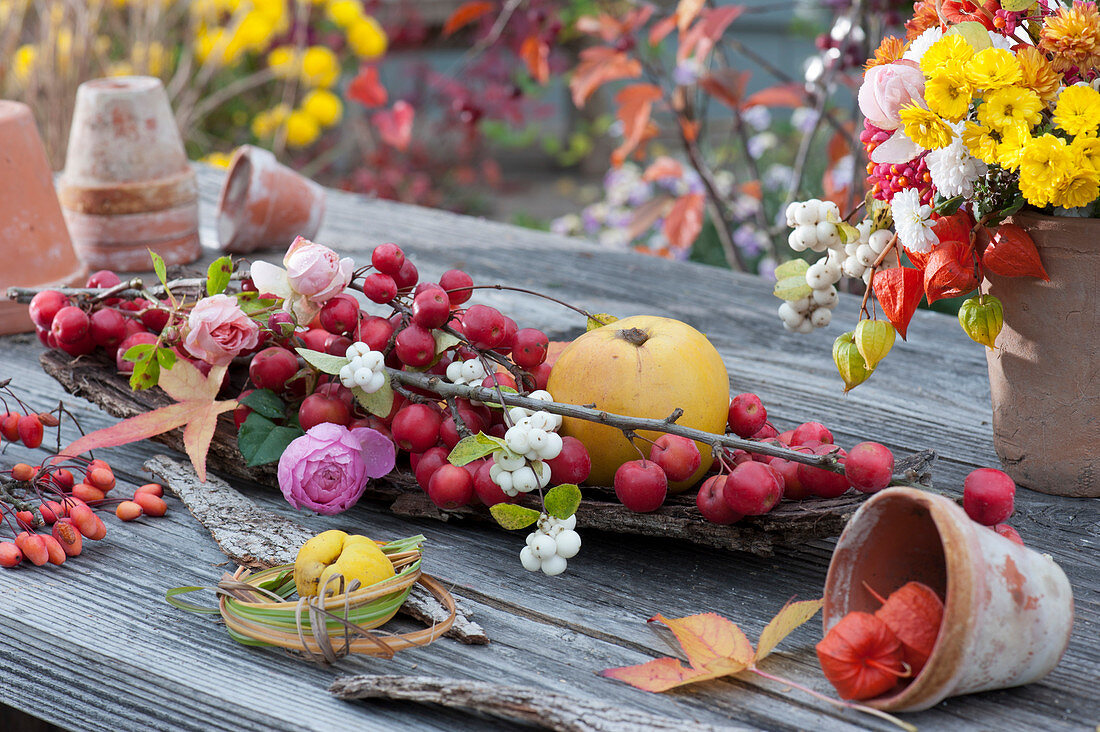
314	274
326	469
218	330
886	89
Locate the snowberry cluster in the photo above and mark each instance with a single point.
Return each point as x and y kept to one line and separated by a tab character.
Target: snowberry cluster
813	225
365	369
863	253
550	545
470	372
532	437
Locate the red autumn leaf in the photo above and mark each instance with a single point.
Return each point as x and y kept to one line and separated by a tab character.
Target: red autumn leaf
597	67
914	612
781	95
196	410
366	89
899	290
861	656
635	106
1012	253
663	167
535	52
465	14
611	28
710	641
699	39
685	221
716	20
660	674
949	271
753	188
726	85
395	125
660	29
647	214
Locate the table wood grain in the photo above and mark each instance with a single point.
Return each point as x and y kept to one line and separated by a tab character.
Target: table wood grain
92	645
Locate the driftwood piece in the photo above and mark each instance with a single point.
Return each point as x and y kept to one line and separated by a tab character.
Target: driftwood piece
790	524
541	707
256	538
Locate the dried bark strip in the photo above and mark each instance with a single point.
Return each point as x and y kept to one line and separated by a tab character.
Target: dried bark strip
257	538
541	707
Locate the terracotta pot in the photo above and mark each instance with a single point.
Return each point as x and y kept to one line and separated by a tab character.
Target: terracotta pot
127	185
1008	610
266	204
1043	373
37	251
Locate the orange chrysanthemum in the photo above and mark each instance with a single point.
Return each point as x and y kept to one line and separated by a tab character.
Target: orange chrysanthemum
962	11
1039	75
890	50
1072	37
924	17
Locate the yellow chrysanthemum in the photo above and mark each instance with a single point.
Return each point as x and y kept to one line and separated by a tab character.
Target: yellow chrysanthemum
1035	194
25	58
323	106
1038	74
993	68
344	13
1078	110
301	129
285	62
217	159
1086	152
926	128
1009	107
982	142
367	39
1011	147
255	31
1044	162
948	94
1079	188
1072	37
320	67
949	53
152	59
265	123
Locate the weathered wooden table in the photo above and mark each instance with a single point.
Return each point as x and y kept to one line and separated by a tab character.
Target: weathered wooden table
92	645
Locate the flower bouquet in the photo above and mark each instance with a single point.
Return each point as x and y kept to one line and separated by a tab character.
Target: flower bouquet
980	126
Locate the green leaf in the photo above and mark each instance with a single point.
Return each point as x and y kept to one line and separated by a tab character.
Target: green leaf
159	268
380	403
166	357
1012	208
949	206
261	441
170	597
973	33
218	275
146	374
323	361
792	268
444	340
266	402
1015	6
513	517
848	234
140	352
504	390
562	500
792	288
251	304
474	447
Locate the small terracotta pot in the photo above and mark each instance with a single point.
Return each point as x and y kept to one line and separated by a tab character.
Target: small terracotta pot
1042	375
127	185
266	204
36	249
1008	610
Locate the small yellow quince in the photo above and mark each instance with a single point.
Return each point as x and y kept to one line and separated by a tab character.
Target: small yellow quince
335	553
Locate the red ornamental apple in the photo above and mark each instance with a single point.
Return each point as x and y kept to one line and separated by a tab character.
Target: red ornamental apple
766	432
70	325
426	463
137	339
45	305
869	467
431	307
529	347
711	501
753	489
484	326
572	464
272	367
811	431
677	456
824	483
1009	533
488	491
792	486
319	408
340	314
641	485
451	487
416	427
988	496
415	345
107	327
379	287
388	258
747	415
456	283
375	332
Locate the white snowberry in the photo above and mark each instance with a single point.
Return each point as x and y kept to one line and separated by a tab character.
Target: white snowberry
866	255
568	543
807	213
508	461
879	239
517	439
825	298
528	559
827	235
554	565
821	317
524	480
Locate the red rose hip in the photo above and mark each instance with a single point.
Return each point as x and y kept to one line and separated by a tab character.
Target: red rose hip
988	496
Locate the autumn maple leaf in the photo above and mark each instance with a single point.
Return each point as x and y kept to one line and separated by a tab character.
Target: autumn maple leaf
196	410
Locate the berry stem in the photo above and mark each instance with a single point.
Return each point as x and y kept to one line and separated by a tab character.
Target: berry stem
835	702
525	291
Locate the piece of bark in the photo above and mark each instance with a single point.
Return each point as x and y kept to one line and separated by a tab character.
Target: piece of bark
541	707
257	538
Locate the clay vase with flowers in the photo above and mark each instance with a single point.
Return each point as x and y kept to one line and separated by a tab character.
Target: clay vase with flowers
983	180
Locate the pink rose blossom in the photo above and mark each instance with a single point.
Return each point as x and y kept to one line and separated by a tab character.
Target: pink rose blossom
888	88
314	274
326	469
218	330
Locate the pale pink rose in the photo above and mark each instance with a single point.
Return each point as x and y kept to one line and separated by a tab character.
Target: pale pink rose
314	274
888	88
218	330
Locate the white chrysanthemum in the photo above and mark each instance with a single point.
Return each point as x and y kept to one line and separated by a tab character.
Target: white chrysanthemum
1001	41
922	43
954	170
913	221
